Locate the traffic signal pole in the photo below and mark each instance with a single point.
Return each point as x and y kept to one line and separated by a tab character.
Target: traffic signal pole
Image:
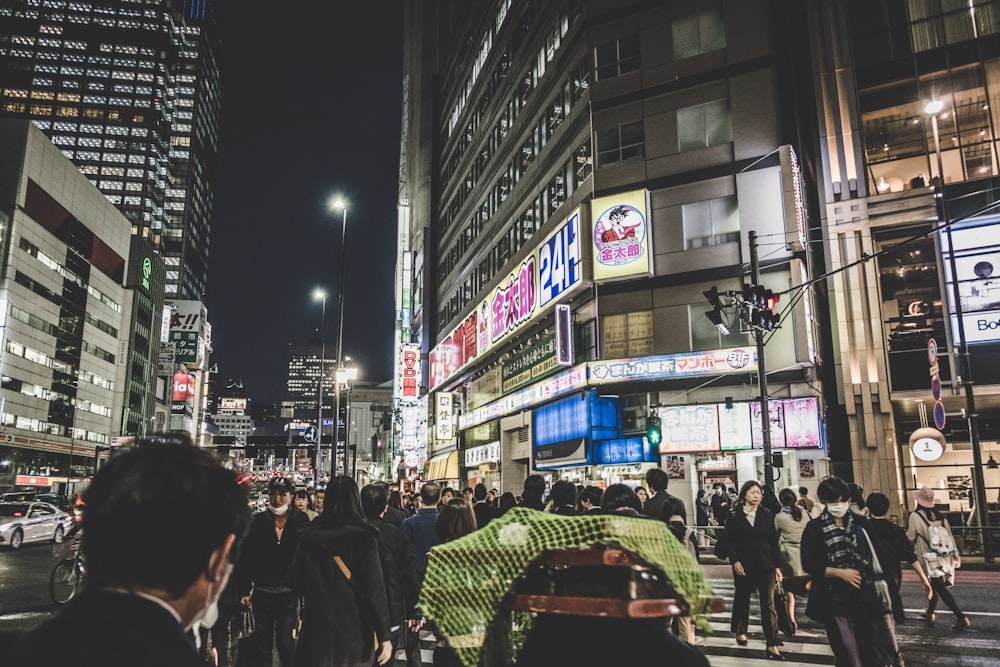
765	415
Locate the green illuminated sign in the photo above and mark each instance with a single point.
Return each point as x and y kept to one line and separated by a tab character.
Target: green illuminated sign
147	271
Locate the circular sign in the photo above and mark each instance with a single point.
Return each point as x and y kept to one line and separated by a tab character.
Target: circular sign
932	350
410	460
939	414
936	388
927	449
309	433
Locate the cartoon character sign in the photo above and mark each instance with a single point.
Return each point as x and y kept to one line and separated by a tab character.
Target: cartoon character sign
618	235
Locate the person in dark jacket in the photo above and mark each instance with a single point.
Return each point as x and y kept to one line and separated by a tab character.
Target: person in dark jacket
720	504
751	543
841	552
338	573
657	480
393	515
621	500
534	489
563	498
164	520
263	568
485	512
590	500
419	529
397	562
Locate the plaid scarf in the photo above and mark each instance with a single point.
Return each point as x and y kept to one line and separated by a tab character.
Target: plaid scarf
842	545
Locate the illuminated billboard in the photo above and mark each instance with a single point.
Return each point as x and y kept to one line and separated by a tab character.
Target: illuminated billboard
552	271
622	245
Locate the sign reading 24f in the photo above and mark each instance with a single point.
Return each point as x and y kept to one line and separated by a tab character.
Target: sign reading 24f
552	272
559	267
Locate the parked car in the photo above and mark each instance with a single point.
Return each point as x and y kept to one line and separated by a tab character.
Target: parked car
27	496
32	521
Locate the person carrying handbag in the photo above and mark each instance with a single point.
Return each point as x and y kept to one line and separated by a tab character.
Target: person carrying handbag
932	540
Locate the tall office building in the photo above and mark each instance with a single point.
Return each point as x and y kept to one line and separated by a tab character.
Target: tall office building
573	176
304	366
877	67
129	91
660	135
66	314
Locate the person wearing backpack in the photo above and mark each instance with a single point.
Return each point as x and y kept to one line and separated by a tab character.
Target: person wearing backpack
932	540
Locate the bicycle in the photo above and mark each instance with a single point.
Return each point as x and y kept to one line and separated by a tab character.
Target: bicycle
67	577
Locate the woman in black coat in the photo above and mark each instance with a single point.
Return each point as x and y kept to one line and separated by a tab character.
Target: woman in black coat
345	615
751	543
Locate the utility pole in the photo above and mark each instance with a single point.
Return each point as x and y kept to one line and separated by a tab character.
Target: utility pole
765	415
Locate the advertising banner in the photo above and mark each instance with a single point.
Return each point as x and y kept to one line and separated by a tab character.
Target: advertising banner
689	428
484	388
530	364
545	390
489	453
409	372
444	424
554	270
734	426
622	246
165	362
665	366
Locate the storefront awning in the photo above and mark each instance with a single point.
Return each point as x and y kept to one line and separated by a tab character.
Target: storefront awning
443	466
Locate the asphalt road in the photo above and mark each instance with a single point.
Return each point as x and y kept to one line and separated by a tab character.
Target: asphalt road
24	600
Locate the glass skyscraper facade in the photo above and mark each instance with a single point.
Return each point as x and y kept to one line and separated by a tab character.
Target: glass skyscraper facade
129	90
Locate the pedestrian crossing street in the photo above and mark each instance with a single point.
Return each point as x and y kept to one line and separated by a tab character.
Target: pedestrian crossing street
809	646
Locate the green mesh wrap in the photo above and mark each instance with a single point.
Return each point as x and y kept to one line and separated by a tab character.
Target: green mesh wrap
467	578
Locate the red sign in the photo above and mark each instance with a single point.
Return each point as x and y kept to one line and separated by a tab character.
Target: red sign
30	480
411	371
183	387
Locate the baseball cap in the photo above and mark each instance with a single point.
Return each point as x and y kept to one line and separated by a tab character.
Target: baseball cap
279	484
924	496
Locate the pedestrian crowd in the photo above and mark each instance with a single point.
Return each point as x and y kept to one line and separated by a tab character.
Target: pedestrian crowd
180	573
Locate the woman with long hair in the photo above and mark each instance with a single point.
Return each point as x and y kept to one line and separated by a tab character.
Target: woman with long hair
507	500
932	540
338	574
789	523
751	543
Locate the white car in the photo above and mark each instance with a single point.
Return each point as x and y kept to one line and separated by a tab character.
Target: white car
32	521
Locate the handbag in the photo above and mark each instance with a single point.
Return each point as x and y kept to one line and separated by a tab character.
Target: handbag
248	624
362	598
879	582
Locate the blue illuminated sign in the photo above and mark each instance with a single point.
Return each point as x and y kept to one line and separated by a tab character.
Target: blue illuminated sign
624	450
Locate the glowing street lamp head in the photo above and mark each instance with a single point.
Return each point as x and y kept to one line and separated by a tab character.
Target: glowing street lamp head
934	107
337	203
319	294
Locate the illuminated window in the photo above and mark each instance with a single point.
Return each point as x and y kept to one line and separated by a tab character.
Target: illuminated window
704	125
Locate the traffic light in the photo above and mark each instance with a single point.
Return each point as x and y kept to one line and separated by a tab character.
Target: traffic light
762	301
715	315
654	434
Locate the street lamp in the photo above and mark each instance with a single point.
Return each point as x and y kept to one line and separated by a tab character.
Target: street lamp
339	204
319	294
964	374
345	375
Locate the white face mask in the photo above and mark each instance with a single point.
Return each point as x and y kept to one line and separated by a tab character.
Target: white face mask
210	612
278	511
838	509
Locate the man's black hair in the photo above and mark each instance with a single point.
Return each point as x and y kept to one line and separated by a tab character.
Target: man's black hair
618	496
657	479
534	487
878	504
374	499
563	493
803	490
592	494
479	493
155	514
833	489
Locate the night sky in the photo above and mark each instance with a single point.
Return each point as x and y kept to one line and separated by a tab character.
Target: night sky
311	108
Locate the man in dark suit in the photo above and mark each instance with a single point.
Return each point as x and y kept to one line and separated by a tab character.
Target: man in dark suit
534	489
419	529
485	512
163	521
397	562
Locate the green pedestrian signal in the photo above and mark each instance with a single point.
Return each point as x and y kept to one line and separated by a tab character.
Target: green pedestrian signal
654	434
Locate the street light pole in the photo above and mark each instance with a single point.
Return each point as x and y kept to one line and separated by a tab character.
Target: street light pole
340	343
320	294
964	370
